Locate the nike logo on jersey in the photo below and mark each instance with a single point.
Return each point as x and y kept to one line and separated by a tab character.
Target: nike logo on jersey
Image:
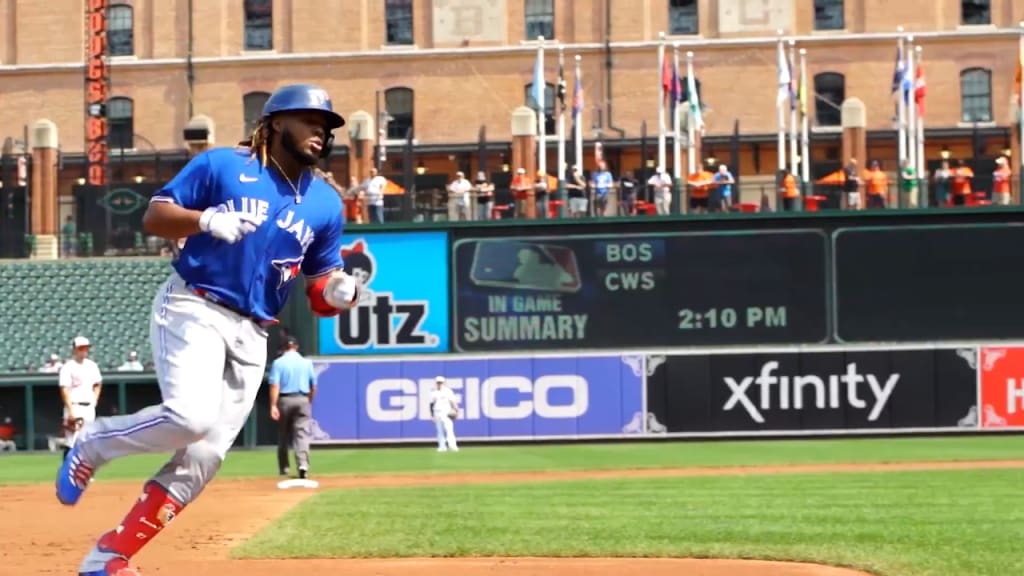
244	178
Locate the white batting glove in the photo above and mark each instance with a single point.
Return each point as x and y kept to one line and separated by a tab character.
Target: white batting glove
228	226
341	291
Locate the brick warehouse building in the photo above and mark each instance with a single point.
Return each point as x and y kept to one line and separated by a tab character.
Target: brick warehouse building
449	67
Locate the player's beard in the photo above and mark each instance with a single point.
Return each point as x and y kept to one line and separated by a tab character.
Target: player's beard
290	143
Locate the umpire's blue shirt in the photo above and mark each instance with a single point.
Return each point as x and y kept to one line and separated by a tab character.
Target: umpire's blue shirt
293	373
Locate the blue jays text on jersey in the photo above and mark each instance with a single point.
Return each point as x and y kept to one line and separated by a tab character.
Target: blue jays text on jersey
253	276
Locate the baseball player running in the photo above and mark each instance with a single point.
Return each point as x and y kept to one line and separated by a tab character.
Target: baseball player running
80	384
444	407
253	216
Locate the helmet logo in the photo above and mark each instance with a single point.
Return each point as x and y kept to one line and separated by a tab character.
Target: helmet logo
318	97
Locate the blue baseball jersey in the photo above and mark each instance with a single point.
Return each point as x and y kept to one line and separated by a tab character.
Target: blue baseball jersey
254	275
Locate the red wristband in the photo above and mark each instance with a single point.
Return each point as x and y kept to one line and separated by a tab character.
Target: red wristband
315	294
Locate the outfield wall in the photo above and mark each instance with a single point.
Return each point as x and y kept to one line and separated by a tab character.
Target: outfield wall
826	390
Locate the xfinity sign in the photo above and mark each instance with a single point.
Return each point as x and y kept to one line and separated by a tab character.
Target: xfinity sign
769	391
495	398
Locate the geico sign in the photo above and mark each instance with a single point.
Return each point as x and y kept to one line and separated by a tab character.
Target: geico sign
403	399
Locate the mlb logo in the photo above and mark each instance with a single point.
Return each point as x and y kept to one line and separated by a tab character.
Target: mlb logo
530	266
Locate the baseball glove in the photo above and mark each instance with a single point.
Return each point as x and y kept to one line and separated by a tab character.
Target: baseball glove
73	424
453	414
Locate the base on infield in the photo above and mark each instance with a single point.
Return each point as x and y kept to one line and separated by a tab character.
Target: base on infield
298	483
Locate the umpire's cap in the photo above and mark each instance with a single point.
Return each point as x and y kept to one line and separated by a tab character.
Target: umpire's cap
300	97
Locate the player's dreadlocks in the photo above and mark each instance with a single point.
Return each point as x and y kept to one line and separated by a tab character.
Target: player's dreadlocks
258	142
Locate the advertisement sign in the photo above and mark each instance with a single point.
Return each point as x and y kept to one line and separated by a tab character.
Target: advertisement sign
1002	388
522	397
631	291
927	283
403	305
791	391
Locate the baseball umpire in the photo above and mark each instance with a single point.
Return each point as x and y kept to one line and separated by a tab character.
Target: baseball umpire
292	387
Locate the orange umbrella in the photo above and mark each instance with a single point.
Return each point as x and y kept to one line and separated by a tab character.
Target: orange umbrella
393	188
836	178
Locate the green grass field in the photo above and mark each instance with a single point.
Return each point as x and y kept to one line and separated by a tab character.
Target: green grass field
921	523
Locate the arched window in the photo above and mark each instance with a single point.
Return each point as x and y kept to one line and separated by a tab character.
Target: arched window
120	30
121	123
252	109
398	102
976	95
259	25
549	104
829	94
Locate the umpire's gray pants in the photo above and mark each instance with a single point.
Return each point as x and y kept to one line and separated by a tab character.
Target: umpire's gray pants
294	430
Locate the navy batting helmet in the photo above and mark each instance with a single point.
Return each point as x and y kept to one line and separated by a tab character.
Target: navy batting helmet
305	97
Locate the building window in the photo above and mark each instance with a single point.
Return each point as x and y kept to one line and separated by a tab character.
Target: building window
540	19
259	25
398	102
120	123
120	30
398	16
829	94
976	95
682	17
252	109
975	12
828	15
549	105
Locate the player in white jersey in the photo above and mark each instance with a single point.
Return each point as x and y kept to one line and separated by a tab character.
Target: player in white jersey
80	385
445	407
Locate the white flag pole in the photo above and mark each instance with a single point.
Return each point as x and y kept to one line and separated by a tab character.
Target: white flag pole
677	152
691	121
661	101
781	111
560	171
794	167
911	107
542	156
901	109
805	136
577	131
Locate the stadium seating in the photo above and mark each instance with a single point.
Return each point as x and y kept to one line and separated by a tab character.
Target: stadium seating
43	305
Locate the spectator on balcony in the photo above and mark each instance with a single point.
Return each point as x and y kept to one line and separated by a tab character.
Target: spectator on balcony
942	179
132	364
484	190
67	236
961	177
723	190
603	182
908	184
458	190
375	186
577	188
661	182
355	201
627	194
521	187
851	185
1001	182
540	195
877	184
700	184
788	190
52	365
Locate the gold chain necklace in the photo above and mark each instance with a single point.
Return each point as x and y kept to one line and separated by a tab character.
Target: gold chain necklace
295	187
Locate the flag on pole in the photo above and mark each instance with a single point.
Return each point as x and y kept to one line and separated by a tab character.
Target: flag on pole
802	95
676	92
693	98
898	75
920	89
793	87
1020	72
537	90
577	99
785	77
561	87
666	77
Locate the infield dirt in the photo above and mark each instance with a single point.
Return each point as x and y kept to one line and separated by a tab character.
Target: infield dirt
39	536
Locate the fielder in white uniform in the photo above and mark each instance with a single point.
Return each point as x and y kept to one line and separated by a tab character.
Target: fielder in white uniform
80	385
444	407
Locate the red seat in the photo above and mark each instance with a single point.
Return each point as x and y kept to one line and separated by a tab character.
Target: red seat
748	207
